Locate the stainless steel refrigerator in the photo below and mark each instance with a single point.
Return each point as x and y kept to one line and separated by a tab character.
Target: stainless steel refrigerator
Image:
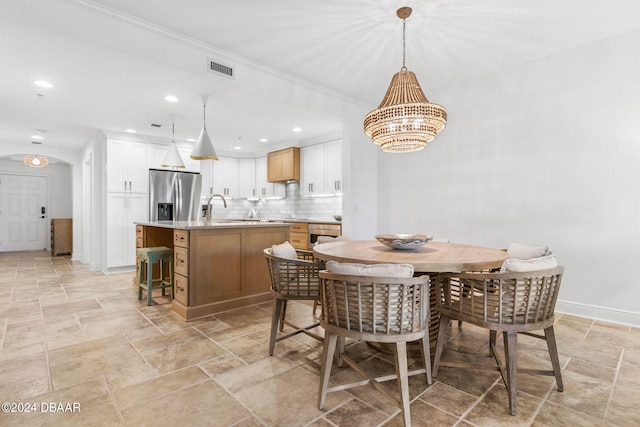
174	195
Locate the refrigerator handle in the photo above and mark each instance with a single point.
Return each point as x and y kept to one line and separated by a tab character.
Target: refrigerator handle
177	202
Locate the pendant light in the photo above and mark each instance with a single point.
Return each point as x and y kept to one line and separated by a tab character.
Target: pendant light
405	120
35	161
173	159
203	150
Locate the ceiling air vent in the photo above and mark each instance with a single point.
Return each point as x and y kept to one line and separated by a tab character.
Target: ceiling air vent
218	68
155	125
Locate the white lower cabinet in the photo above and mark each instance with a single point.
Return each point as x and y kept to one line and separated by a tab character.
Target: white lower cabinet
122	210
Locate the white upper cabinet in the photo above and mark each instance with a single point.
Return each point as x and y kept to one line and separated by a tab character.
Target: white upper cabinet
127	166
312	175
246	178
333	167
220	177
157	152
321	168
263	187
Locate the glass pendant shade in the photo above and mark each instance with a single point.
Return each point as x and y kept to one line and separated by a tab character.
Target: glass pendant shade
173	159
203	150
405	120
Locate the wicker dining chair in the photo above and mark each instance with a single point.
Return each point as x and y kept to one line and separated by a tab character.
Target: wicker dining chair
510	303
292	279
376	309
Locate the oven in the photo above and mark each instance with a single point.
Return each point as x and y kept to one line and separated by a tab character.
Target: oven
315	230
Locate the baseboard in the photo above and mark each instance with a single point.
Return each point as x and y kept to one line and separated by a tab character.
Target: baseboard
630	318
117	270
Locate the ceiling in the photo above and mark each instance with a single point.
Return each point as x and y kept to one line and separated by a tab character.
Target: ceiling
113	61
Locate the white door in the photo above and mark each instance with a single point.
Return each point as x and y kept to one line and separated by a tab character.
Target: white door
23	225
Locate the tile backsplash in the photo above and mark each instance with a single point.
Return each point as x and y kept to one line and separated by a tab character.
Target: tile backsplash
294	205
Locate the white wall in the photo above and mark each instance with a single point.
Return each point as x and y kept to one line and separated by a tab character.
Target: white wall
545	153
59	185
58	181
69	189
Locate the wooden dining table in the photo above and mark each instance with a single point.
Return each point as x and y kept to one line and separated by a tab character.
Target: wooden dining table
432	259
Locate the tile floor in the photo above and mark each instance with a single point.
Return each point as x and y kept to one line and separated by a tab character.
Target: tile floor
72	336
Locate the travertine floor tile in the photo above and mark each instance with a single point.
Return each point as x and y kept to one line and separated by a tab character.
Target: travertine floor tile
584	394
552	415
147	391
78	363
222	364
68	334
357	413
40	330
102	325
448	399
424	415
297	391
180	354
624	410
201	404
248	375
493	409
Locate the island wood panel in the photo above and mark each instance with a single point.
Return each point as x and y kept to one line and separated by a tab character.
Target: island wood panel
256	272
215	265
216	270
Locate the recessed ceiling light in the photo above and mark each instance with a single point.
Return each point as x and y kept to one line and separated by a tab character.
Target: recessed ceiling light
237	148
42	83
37	136
191	140
264	140
130	131
170	98
296	129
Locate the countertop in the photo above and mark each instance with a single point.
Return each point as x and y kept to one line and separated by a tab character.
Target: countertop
305	220
219	223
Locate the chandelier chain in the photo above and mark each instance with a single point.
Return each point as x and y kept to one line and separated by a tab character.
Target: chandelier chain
404	42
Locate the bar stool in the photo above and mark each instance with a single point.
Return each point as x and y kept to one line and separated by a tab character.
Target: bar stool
148	257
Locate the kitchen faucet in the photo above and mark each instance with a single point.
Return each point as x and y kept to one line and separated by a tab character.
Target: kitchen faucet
210	209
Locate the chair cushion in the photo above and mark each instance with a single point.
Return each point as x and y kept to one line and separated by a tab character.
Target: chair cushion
533	264
525	251
376	270
284	250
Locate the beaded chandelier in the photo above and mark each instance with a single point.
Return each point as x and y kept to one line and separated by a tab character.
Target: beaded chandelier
405	120
35	161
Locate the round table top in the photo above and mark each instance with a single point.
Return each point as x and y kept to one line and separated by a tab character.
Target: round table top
436	257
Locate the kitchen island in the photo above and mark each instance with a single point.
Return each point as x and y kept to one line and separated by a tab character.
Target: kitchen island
218	266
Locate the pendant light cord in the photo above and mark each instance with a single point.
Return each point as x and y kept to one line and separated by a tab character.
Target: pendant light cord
204	115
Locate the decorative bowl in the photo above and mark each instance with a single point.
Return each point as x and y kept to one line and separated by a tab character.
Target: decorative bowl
403	241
